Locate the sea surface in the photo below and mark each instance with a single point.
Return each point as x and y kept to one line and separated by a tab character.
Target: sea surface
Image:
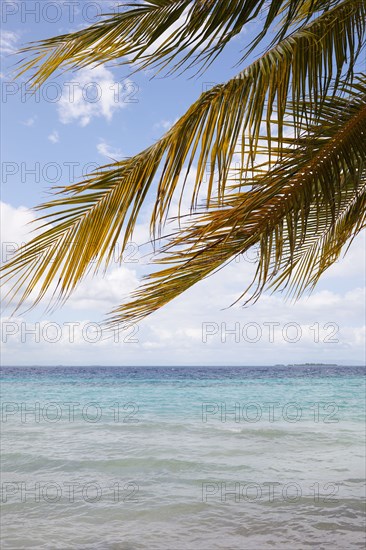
161	458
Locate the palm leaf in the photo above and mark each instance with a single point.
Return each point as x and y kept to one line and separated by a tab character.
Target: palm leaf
310	203
157	32
89	217
325	241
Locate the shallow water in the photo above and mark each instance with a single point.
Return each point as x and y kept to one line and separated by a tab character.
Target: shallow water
183	458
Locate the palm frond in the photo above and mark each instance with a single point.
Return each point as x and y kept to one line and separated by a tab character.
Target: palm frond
156	33
325	241
289	82
310	203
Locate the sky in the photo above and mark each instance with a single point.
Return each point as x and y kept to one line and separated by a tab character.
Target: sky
81	120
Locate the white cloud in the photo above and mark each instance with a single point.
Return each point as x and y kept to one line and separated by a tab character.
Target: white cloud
192	330
8	42
108	151
101	293
15	226
164	124
92	93
171	32
104	293
18	225
350	263
70	342
54	137
30	121
329	323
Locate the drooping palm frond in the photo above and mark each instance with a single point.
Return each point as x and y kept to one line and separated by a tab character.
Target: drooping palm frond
325	241
154	33
289	82
301	213
92	215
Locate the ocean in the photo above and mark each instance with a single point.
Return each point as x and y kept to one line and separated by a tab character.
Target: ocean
174	458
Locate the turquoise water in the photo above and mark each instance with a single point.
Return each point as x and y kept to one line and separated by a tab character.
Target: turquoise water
183	458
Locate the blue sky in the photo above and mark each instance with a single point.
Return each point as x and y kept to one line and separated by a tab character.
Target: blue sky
82	120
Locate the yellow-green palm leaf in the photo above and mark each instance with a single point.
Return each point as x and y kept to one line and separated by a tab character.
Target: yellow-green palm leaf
154	33
300	213
296	210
